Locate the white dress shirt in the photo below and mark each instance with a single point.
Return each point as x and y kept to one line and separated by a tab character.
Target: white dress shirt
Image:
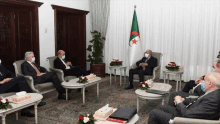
67	67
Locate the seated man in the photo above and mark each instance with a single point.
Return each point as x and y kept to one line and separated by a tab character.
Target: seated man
197	91
67	67
10	83
145	67
40	74
204	107
192	83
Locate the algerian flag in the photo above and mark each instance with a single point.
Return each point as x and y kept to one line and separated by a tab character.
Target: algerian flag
135	49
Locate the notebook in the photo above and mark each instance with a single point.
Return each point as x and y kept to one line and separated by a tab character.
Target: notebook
124	113
157	92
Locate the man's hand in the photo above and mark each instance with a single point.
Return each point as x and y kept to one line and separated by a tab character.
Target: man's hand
68	63
199	80
41	74
178	98
5	80
143	64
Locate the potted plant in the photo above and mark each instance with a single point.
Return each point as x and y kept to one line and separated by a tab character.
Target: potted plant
95	57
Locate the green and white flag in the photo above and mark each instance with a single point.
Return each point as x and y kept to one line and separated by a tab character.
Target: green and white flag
135	48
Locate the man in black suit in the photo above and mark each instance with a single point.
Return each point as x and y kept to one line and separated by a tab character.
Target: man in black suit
40	74
66	66
204	107
145	67
10	83
192	83
197	91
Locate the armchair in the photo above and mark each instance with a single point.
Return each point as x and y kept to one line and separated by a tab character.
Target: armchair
156	71
59	72
39	88
181	120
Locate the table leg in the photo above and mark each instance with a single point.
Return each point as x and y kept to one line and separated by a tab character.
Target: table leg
35	112
168	77
125	76
115	75
83	95
137	104
180	81
98	89
164	77
3	118
177	81
16	115
66	94
120	76
110	76
163	101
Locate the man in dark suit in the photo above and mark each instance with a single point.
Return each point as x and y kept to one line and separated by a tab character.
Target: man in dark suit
204	107
192	83
145	67
40	74
10	83
66	66
197	91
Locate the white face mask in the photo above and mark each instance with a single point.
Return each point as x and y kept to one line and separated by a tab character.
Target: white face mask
146	55
0	61
63	57
33	59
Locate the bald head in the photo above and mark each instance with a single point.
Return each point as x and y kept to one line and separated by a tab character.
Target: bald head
212	81
60	53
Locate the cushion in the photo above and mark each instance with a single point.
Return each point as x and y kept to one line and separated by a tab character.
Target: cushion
44	87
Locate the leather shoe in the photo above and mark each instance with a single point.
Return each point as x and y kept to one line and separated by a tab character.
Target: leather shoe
61	96
29	114
129	87
41	104
79	90
67	91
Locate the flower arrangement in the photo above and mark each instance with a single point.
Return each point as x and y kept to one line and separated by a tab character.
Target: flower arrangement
86	119
82	79
115	62
4	104
143	85
172	66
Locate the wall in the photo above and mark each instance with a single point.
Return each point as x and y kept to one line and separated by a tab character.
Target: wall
46	25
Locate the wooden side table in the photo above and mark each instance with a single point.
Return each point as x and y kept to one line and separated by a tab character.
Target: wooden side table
177	73
120	68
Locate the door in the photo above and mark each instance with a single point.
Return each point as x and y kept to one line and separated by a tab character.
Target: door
7	38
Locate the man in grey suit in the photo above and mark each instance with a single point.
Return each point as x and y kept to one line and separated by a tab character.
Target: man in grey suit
206	106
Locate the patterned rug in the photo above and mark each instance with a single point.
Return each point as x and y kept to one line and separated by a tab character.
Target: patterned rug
67	112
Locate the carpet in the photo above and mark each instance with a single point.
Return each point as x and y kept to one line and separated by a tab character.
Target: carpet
67	112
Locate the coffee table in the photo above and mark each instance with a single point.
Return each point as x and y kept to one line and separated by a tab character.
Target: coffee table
120	68
156	86
72	84
133	120
36	98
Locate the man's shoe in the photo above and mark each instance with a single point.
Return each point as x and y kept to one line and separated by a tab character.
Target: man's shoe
61	96
29	114
41	104
129	87
64	91
79	90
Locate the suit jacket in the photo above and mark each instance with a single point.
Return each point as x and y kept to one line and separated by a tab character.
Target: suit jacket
59	64
205	107
4	73
151	63
27	69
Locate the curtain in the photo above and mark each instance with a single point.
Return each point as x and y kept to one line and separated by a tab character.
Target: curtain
184	31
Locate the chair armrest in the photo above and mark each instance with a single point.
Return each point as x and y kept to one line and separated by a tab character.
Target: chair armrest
59	73
30	82
180	120
155	76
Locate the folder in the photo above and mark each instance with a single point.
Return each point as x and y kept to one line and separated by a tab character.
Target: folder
124	113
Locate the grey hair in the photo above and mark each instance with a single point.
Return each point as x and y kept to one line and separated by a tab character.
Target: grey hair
28	54
150	51
59	52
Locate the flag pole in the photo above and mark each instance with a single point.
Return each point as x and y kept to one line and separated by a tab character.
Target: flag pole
135	7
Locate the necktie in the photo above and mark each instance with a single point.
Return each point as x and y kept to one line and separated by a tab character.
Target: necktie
38	72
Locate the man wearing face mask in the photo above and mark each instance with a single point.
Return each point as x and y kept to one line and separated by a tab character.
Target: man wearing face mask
192	83
145	67
10	83
66	66
40	74
204	107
